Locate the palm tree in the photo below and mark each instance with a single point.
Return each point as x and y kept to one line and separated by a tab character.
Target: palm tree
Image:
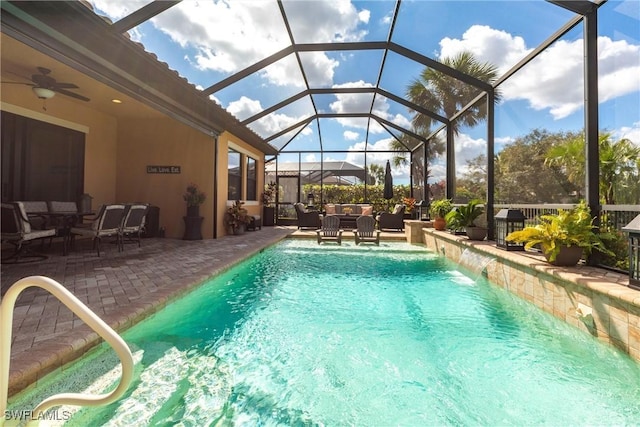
443	94
619	166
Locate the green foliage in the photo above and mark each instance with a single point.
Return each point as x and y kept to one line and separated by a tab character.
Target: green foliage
464	216
269	194
193	196
573	227
355	194
236	215
440	208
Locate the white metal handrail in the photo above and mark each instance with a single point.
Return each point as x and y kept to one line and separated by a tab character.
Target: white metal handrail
84	313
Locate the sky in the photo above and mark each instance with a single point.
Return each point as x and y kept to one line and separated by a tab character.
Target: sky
206	41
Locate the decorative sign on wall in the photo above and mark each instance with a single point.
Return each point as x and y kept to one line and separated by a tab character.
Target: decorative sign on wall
163	169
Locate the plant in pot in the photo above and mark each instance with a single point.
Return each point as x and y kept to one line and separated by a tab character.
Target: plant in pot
410	204
236	218
194	198
563	237
439	209
463	218
268	201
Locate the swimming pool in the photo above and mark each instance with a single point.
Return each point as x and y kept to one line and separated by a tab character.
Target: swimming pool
309	335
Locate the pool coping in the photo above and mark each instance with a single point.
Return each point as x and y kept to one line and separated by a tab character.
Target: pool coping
595	300
52	355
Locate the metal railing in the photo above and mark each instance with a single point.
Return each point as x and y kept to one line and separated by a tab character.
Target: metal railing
616	215
84	313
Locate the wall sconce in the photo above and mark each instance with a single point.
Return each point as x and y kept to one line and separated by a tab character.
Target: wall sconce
507	221
310	200
43	93
633	228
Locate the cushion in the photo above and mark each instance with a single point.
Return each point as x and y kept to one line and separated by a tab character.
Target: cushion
330	209
397	209
367	210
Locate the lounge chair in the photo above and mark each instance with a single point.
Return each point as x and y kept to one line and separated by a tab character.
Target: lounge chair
107	224
307	218
133	222
366	230
17	231
394	220
330	230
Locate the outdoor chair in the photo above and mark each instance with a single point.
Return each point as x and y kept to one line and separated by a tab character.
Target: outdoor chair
307	218
330	230
133	223
366	230
17	231
394	220
37	213
107	224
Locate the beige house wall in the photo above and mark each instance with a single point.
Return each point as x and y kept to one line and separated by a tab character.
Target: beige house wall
227	140
165	142
117	153
100	135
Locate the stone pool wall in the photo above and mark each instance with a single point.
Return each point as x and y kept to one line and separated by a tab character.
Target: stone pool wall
594	300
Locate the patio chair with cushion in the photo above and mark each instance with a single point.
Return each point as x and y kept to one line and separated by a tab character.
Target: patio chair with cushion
393	220
107	224
17	231
307	218
330	230
133	222
366	230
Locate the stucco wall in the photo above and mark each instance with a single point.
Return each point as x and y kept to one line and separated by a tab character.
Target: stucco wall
100	135
165	142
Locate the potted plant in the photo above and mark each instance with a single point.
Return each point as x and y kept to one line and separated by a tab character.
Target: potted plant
463	218
268	200
236	218
563	237
409	203
439	209
194	198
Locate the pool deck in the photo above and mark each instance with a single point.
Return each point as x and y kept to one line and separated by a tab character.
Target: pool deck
122	288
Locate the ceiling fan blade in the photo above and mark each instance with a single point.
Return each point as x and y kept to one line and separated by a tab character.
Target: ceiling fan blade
71	94
18	83
43	70
65	86
43	81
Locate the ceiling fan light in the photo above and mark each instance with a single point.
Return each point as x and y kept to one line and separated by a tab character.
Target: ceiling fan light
43	93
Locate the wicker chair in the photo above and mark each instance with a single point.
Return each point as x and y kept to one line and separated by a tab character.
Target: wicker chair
394	220
17	231
306	218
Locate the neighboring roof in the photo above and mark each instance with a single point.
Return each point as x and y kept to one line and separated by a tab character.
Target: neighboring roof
320	171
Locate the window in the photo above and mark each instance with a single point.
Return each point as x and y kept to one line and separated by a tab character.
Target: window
252	183
235	176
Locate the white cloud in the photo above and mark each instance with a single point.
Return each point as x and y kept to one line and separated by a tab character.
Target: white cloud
554	79
268	125
632	133
350	135
361	102
488	45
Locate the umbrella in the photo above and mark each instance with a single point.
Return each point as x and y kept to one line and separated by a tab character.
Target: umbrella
388	183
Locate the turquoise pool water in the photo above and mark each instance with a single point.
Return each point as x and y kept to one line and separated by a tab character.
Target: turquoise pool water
361	336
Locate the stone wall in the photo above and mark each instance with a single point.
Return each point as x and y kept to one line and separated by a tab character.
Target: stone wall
594	300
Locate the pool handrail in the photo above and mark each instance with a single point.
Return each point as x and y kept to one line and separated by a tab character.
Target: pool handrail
83	312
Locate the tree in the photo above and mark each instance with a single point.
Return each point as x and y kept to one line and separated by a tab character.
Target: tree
377	171
443	94
522	174
619	166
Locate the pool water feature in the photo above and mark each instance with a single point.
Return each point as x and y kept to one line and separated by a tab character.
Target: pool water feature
303	334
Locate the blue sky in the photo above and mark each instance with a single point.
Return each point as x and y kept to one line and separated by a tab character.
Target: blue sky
206	41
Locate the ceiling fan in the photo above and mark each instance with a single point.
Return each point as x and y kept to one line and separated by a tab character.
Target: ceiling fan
45	86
